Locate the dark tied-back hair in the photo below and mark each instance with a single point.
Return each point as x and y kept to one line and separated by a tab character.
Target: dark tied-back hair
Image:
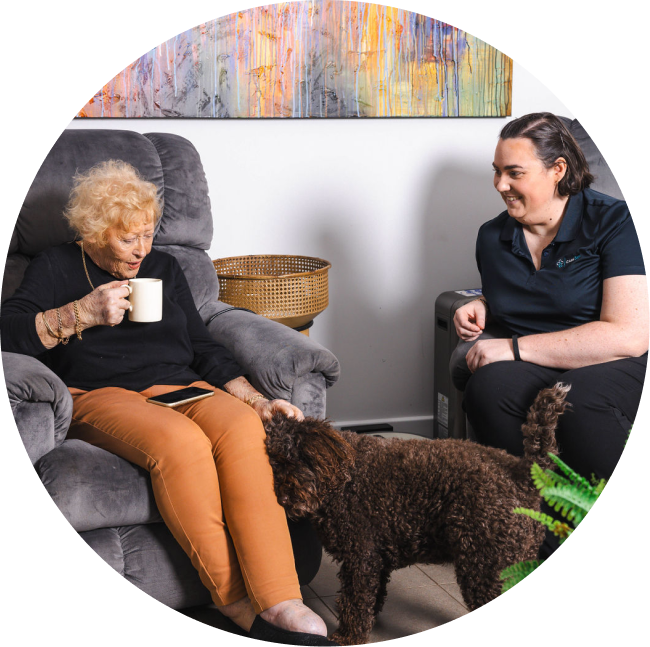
552	139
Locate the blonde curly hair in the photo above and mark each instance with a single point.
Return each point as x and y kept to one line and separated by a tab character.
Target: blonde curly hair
110	195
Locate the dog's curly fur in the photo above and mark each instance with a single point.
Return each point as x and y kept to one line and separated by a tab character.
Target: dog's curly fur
382	504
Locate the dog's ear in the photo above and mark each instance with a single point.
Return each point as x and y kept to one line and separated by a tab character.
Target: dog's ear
309	459
328	454
293	480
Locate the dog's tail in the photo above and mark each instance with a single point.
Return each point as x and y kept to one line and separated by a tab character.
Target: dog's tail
541	423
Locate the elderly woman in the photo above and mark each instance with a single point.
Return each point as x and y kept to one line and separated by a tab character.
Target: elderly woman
209	470
563	280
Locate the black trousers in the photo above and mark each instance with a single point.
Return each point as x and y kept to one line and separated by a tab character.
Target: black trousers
591	434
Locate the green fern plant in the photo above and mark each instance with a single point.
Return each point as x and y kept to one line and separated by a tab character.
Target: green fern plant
567	493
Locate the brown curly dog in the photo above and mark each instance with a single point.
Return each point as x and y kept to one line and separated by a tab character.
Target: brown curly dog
382	504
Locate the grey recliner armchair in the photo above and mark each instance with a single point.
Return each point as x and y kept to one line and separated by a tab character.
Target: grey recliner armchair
106	499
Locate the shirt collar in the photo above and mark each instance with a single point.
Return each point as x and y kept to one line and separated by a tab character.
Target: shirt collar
568	227
572	218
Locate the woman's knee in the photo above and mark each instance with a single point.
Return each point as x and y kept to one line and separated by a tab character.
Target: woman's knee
181	440
484	386
491	386
516	383
236	423
246	425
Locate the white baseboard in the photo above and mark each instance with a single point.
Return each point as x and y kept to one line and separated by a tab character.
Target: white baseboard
417	425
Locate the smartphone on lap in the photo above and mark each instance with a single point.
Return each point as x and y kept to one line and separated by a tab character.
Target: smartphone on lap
181	396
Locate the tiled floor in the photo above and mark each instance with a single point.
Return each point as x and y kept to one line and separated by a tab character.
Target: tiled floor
419	598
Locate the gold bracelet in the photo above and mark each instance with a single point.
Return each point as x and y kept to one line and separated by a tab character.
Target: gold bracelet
64	340
77	322
255	398
49	330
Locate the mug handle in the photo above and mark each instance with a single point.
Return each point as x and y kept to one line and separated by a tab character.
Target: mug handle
130	289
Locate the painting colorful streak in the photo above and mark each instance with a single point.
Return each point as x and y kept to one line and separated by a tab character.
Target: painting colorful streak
322	58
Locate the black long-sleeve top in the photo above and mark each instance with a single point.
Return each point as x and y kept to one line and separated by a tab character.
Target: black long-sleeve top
176	350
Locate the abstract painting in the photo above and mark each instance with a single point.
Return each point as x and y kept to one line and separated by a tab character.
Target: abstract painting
317	58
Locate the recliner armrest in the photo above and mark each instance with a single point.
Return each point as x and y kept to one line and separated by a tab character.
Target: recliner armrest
460	374
40	402
277	359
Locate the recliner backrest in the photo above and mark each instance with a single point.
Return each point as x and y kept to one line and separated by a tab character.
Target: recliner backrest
169	161
605	182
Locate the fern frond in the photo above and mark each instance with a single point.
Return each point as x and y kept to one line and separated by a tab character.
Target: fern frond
536	515
516	573
574	477
599	487
542	478
558	528
554	479
571	502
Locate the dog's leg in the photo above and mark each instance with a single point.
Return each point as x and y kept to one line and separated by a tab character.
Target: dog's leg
480	563
361	577
478	582
384	578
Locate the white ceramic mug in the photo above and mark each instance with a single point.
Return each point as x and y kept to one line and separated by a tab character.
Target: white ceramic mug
145	296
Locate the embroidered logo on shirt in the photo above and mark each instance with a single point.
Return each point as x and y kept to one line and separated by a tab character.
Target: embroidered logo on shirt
563	262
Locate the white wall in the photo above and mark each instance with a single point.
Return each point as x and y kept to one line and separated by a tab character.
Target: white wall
393	204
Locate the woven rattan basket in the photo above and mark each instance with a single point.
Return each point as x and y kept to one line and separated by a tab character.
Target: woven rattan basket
289	289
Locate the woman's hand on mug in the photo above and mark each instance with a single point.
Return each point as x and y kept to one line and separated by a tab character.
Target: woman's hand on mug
105	305
469	320
266	408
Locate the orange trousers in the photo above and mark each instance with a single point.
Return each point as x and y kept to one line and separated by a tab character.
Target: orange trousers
211	480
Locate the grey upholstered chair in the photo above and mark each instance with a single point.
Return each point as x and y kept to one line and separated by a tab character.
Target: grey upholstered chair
106	499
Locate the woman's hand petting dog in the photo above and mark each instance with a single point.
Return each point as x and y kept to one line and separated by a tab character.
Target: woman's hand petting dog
266	408
242	389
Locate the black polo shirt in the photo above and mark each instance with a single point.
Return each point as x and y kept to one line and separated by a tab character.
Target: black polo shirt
596	241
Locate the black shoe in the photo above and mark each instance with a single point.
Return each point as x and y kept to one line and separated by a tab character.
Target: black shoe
262	630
